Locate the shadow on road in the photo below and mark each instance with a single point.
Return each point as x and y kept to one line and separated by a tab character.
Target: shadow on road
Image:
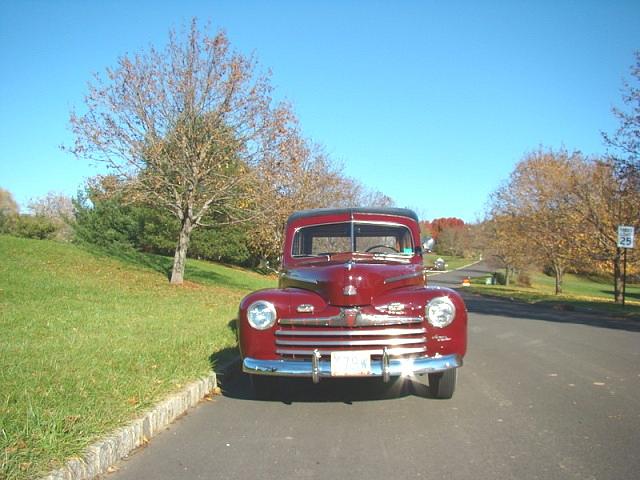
235	384
514	309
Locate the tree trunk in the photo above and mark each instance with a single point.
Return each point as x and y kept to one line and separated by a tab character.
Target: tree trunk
180	257
558	283
559	271
617	276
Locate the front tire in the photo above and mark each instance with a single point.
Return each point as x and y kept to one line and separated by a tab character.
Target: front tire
443	384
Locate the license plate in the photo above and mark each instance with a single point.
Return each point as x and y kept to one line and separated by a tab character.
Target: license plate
350	363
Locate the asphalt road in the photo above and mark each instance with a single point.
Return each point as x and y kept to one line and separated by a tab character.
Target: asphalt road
543	395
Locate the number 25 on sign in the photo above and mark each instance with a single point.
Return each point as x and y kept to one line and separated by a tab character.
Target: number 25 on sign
625	236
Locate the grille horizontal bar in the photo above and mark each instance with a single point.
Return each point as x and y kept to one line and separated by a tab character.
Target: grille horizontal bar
399	351
353	343
384	332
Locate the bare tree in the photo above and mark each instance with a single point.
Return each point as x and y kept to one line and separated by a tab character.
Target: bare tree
59	209
625	141
184	129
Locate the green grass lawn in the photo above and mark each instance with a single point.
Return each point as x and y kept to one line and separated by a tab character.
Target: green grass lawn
580	292
89	342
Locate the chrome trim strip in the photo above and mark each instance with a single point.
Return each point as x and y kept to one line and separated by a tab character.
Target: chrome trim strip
352	343
387	332
403	277
324	321
398	351
297	278
362	320
397	367
388	319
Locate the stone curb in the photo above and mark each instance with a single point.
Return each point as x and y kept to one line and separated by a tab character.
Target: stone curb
102	455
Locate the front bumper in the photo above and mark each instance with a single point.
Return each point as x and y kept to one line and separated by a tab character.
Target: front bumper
386	367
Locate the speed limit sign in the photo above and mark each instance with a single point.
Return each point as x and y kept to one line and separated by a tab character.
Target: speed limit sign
625	236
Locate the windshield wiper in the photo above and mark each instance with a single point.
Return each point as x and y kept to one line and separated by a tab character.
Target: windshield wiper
392	256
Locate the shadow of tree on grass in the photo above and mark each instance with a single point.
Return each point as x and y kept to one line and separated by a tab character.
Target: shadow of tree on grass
196	271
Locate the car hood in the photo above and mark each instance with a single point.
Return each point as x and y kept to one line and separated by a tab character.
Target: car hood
351	283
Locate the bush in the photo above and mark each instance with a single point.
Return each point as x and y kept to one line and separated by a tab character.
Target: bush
109	222
34	226
225	243
158	231
29	226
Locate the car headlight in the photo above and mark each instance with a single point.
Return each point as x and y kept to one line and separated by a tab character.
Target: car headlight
440	311
261	315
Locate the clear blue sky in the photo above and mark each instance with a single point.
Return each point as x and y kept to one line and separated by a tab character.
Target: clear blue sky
430	102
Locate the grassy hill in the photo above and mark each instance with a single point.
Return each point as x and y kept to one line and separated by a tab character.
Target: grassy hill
90	340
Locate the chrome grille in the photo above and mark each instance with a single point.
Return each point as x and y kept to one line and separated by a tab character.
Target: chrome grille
399	342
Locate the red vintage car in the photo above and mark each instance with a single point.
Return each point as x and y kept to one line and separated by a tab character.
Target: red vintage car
352	301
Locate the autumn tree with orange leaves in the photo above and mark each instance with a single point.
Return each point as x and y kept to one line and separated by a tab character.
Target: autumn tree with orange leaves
301	176
614	198
605	201
536	209
502	234
297	176
563	210
438	225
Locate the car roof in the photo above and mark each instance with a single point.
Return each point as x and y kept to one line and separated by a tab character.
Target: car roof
398	212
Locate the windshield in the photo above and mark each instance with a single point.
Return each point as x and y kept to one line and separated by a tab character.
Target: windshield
350	237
